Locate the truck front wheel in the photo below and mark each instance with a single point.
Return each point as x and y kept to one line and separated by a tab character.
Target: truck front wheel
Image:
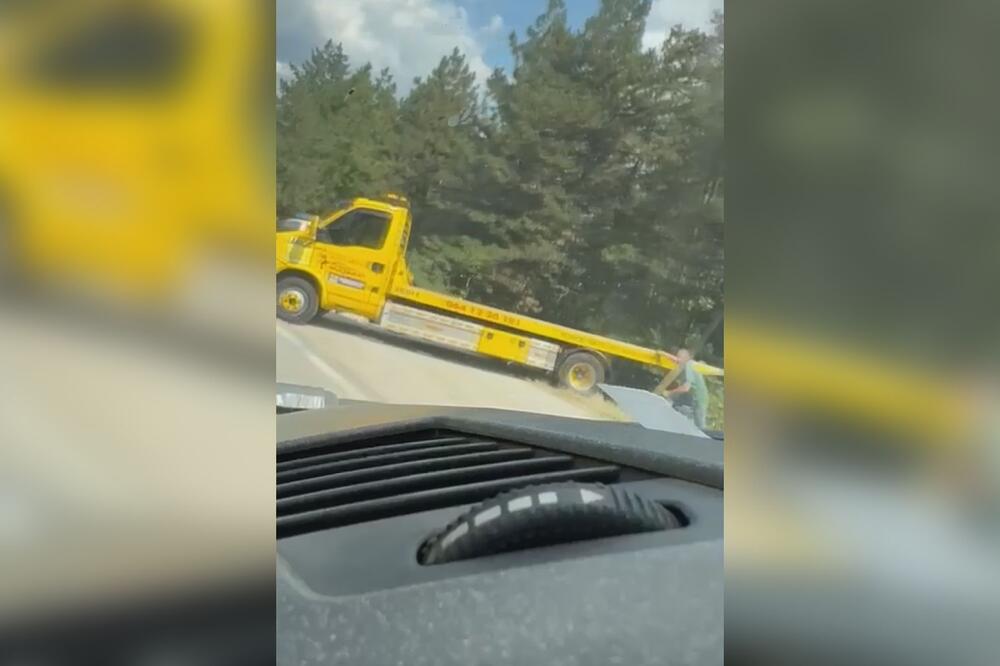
581	371
298	302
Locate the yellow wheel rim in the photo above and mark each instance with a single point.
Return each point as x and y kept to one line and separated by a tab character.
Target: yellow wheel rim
582	376
292	300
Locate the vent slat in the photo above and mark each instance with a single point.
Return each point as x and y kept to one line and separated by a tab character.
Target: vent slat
414	482
399	469
425	500
368	449
384	459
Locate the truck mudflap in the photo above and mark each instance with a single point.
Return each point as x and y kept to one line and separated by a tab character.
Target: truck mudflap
464	335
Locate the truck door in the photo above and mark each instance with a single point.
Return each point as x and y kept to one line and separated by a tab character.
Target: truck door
356	260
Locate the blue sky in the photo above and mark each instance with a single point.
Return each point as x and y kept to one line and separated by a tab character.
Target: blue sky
517	16
410	36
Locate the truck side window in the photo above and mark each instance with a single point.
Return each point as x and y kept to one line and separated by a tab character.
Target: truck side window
358	228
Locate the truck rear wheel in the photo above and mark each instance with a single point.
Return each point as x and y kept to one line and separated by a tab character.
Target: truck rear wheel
298	302
581	371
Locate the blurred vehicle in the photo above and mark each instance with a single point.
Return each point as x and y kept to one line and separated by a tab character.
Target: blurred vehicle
353	261
867	494
133	143
842	383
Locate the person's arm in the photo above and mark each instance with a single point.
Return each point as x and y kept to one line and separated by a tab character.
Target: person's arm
685	385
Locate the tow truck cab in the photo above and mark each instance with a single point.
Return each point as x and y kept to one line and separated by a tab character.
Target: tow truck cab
350	258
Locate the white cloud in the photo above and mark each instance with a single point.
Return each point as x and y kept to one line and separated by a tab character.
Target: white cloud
494	26
407	36
667	13
282	70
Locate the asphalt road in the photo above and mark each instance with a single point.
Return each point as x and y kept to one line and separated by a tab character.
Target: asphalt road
124	448
362	362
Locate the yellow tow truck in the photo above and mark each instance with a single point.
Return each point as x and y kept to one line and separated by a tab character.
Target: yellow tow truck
353	261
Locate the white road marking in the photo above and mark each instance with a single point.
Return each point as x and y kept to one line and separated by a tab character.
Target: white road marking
589	496
342	385
486	516
519	504
548	498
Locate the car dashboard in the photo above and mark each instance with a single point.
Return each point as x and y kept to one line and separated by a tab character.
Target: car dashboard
441	535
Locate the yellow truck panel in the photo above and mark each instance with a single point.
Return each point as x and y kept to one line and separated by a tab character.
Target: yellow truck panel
546	330
504	345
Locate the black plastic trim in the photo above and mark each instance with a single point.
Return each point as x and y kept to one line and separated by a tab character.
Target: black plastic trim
425	480
436	498
376	460
399	469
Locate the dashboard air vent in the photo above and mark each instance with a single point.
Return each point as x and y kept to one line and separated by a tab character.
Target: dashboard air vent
376	478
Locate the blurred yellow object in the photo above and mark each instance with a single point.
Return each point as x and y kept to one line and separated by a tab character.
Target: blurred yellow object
133	141
136	174
864	389
829	445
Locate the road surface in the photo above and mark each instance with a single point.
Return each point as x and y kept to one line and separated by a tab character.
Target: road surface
118	450
362	362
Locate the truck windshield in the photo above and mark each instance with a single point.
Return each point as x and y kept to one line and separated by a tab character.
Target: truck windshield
357	228
335	208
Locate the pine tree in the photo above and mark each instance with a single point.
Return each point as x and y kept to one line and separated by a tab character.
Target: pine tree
336	132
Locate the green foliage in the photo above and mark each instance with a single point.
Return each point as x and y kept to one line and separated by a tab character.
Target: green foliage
584	186
715	417
337	133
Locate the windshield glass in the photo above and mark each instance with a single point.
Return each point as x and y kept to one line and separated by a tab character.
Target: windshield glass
562	166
